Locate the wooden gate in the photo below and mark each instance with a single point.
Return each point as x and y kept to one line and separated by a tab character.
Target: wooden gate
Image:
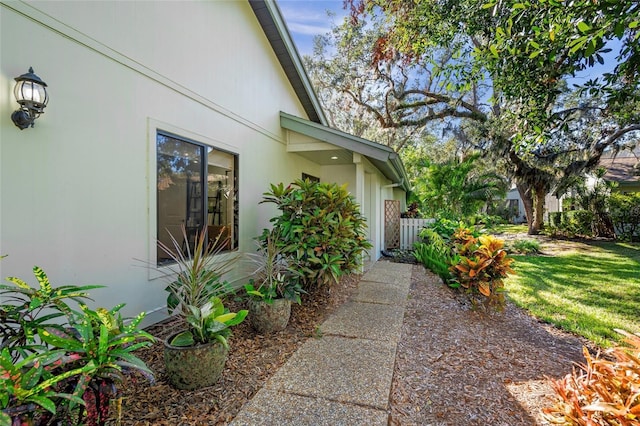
391	224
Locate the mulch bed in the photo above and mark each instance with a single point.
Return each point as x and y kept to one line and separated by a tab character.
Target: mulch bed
253	358
459	366
454	366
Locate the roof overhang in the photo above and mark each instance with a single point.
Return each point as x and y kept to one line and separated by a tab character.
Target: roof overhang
274	27
337	143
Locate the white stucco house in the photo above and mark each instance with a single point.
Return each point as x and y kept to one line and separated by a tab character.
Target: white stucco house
160	114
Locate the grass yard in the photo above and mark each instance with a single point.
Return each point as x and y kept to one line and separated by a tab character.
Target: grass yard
590	292
508	229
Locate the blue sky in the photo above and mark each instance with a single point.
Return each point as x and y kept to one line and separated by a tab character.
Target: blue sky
308	18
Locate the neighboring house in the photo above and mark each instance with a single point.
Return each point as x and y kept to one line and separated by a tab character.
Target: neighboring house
160	114
516	207
623	169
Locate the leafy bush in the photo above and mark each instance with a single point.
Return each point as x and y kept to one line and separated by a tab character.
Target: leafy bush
582	220
482	265
320	229
444	227
435	258
625	214
526	246
606	391
58	364
572	223
485	220
556	219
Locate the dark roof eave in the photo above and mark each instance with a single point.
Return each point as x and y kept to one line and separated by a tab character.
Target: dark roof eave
275	29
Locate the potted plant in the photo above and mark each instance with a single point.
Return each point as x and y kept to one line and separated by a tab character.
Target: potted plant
275	286
195	356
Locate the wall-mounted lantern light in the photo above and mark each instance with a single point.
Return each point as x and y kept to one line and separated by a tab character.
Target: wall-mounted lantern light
31	94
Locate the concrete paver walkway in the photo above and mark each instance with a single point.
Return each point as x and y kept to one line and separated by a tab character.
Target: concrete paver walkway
344	377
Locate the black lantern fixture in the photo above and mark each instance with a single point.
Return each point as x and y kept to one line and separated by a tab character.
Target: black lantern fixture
31	94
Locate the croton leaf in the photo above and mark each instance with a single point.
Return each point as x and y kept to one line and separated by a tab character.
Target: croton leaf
484	288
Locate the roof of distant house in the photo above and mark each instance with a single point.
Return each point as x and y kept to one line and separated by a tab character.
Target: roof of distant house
621	169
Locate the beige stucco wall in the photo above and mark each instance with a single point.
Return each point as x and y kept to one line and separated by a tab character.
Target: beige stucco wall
78	190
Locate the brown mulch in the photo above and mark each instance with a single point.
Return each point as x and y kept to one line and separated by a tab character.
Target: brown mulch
459	366
253	358
454	365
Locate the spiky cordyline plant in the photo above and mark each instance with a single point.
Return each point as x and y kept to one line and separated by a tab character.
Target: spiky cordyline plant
197	290
198	270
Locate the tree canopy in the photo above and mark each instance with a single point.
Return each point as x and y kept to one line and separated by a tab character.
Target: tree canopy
448	64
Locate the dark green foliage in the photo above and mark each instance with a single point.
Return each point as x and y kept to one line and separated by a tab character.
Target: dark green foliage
625	214
556	219
320	229
582	220
526	246
59	365
434	258
573	223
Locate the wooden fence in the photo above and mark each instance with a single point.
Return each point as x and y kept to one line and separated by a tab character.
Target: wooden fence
409	230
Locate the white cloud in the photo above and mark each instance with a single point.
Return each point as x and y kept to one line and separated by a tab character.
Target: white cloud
307	29
310	17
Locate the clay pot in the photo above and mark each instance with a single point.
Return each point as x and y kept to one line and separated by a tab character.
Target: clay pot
194	367
268	318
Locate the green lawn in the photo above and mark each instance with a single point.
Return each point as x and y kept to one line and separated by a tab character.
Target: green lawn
590	292
508	229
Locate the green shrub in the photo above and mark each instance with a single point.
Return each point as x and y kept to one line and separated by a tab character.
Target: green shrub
578	222
320	229
435	255
526	246
487	221
625	214
556	219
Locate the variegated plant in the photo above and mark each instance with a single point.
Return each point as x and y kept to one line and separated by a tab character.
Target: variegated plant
482	266
57	363
604	391
208	323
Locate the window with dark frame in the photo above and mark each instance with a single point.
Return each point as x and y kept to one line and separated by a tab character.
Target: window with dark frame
196	187
310	178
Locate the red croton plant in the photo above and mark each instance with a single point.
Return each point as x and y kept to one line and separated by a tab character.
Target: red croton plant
604	391
482	265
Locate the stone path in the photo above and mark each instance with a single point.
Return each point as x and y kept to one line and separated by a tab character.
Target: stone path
343	377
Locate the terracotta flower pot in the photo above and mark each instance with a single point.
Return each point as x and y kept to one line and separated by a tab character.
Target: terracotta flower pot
268	318
194	367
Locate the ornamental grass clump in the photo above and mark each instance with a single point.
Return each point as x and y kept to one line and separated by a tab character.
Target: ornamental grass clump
603	392
320	229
